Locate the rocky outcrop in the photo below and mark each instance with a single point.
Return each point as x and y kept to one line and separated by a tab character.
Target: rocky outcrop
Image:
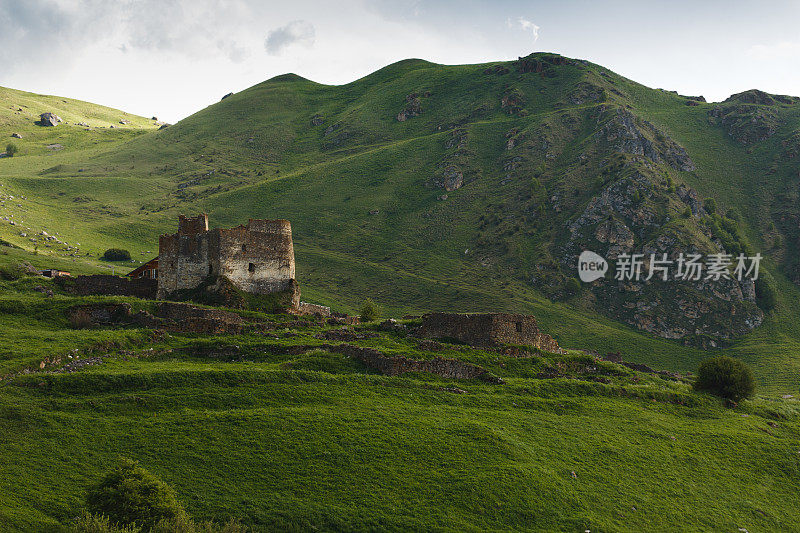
626	133
754	96
745	122
586	93
690	197
49	119
513	102
628	216
449	178
542	64
412	108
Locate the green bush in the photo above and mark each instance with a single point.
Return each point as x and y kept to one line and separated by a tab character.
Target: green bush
572	287
117	254
11	149
710	205
370	311
129	494
726	377
766	291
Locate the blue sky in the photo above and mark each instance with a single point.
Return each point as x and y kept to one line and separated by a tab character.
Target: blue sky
170	58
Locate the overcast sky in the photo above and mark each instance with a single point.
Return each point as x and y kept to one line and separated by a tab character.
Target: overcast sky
171	58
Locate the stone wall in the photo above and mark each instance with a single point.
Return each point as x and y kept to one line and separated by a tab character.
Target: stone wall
305	308
257	258
487	329
397	365
106	284
183	261
171	316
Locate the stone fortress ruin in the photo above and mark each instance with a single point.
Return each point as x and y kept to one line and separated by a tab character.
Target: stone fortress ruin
257	258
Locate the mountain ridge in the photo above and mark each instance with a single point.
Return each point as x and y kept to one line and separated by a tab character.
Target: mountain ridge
345	153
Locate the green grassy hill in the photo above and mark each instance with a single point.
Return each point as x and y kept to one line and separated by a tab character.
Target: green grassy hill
533	141
424	187
285	434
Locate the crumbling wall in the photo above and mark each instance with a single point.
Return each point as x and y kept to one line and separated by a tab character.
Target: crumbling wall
171	316
487	329
106	284
397	365
183	261
305	308
258	258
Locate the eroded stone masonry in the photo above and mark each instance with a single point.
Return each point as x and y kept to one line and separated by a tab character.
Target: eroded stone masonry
487	329
257	258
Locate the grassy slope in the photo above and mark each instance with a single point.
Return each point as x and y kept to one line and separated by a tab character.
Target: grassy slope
295	442
256	154
315	441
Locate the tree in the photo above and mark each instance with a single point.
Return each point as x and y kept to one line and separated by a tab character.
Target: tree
725	377
766	291
129	494
370	311
117	254
11	149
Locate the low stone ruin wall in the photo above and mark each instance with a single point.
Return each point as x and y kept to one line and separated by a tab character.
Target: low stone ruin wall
397	365
183	318
106	284
487	329
305	308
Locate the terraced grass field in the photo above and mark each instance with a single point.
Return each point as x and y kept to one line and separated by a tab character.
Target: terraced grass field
248	426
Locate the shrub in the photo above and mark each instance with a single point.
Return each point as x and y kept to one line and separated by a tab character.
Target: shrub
572	287
370	311
117	254
725	377
11	149
766	291
129	494
710	205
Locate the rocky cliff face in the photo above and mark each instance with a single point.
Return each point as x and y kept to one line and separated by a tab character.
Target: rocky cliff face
640	212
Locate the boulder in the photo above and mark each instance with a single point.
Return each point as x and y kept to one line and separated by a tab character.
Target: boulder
224	97
49	119
16	135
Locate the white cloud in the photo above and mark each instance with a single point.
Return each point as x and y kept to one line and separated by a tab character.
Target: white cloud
526	25
296	32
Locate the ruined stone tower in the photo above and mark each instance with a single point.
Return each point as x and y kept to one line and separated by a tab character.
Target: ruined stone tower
257	258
